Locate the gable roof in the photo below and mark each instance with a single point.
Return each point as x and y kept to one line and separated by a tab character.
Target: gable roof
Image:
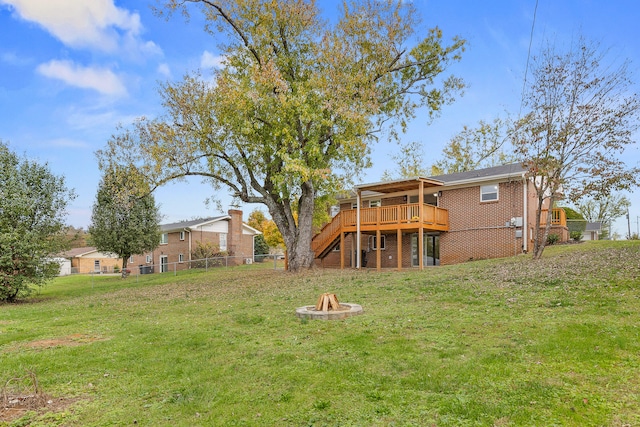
495	172
193	223
512	170
593	226
80	252
190	225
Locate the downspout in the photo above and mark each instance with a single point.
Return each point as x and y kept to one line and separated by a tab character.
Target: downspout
358	253
525	222
189	231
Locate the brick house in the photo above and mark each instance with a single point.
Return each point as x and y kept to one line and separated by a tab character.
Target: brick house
90	260
178	241
487	213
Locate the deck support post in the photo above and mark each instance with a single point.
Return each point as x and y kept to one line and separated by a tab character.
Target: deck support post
342	250
358	239
421	225
378	250
399	241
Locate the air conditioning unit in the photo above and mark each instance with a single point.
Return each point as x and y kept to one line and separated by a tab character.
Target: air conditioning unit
248	261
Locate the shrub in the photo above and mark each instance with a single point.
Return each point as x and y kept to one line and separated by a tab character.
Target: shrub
207	255
576	235
552	239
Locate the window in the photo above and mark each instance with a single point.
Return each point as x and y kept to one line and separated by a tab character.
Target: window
413	199
96	265
164	238
148	259
336	248
489	193
131	259
375	203
182	235
354	205
181	258
374	244
223	241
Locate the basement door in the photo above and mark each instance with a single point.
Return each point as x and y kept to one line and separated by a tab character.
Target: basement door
431	251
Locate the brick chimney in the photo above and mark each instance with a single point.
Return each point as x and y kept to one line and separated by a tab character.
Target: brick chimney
234	238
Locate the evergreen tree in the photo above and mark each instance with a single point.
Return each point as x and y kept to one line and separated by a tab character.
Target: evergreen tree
124	222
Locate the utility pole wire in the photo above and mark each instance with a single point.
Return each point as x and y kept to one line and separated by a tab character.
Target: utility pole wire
526	68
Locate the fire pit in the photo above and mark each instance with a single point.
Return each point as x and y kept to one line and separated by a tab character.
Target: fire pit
328	308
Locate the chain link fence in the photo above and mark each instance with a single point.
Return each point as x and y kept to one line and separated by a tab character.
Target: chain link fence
274	262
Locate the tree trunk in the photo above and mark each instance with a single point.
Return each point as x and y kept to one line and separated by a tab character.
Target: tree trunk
541	237
124	266
297	237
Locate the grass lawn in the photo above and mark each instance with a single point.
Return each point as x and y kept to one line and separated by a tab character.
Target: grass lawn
508	342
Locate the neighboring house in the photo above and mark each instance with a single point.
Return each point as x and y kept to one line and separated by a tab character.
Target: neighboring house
179	240
90	260
65	266
592	231
487	213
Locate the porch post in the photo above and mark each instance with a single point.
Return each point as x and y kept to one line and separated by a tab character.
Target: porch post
378	250
358	253
342	250
399	241
421	226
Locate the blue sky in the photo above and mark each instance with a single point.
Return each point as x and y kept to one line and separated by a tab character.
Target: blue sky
71	71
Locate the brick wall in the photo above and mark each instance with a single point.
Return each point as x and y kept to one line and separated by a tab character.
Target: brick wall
239	246
389	255
87	265
477	229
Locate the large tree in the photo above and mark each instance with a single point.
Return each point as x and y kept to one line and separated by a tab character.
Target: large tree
292	113
604	209
33	205
582	114
475	148
124	222
409	163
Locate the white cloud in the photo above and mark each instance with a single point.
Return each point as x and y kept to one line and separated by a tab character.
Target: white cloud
96	24
102	80
164	70
209	60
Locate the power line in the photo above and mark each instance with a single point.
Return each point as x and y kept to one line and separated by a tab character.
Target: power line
526	68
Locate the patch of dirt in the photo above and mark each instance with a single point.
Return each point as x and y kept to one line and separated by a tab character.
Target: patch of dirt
14	407
68	341
21	395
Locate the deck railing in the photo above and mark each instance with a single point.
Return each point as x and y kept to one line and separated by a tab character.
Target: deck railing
383	216
558	217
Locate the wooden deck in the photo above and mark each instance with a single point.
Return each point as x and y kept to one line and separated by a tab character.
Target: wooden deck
385	218
558	217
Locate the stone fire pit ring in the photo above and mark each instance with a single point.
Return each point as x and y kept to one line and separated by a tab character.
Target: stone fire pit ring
328	308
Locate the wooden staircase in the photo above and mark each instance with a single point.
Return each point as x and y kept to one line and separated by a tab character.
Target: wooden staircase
324	241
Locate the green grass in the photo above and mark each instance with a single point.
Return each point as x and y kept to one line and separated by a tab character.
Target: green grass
508	342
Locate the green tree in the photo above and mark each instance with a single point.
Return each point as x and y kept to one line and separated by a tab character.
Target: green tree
476	148
124	222
576	223
409	163
582	114
261	248
605	210
292	114
32	230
